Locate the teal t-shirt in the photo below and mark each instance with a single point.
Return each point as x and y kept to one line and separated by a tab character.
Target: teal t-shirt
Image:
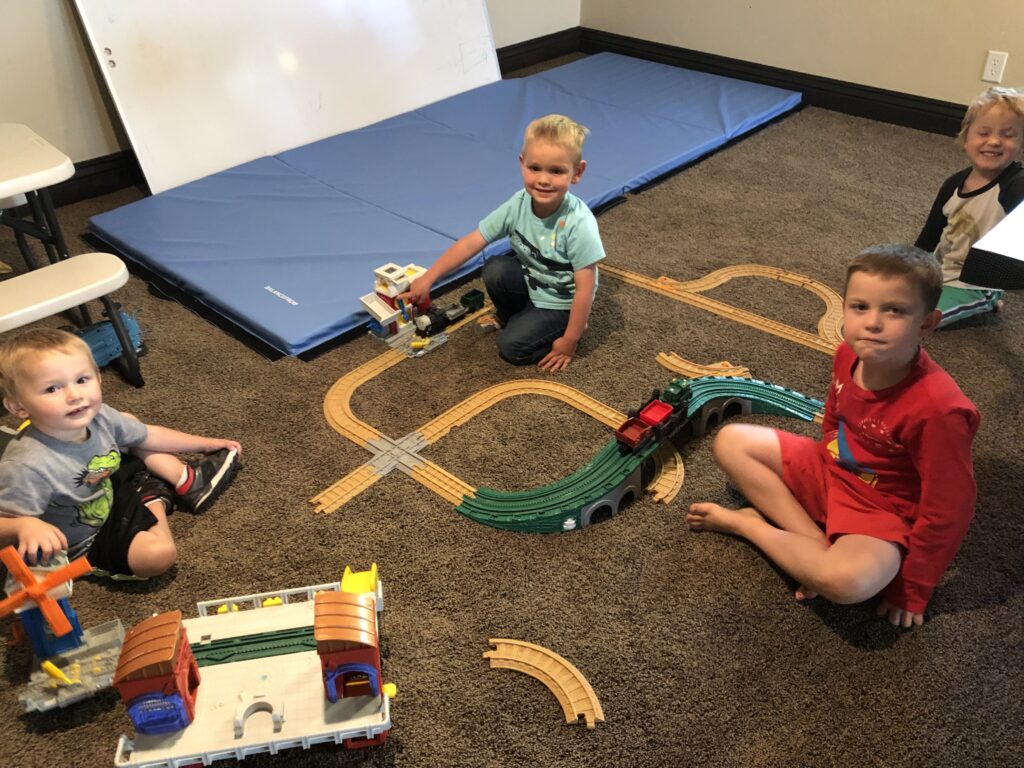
550	250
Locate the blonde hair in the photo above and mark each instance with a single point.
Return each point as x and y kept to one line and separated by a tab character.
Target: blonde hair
919	267
17	349
1011	98
557	129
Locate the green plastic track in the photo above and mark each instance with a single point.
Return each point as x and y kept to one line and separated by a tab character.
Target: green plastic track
548	508
258	646
545	509
763	397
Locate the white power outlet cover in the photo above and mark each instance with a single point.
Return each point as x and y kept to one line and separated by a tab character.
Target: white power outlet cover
995	64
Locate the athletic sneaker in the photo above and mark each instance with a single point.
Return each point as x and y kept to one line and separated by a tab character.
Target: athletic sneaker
151	488
207	478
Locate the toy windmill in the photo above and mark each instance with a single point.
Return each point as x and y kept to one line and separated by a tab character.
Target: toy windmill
38	590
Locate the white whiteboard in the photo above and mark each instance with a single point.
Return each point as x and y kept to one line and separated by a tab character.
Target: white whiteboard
203	85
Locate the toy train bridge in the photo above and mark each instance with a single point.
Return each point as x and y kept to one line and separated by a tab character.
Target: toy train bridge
618	475
610	481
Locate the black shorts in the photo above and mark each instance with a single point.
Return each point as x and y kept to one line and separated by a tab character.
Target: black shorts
128	516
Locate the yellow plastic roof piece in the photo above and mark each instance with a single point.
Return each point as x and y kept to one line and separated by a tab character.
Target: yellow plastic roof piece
357	582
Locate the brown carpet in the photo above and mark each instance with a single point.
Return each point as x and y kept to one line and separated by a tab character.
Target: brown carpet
694	644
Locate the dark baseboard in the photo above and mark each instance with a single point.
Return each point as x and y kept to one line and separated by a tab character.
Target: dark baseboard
860	100
530	52
112	172
98	177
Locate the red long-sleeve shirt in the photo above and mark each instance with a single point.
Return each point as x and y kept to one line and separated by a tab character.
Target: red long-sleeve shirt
910	444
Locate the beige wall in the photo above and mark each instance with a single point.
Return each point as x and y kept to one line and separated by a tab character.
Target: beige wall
933	48
46	81
513	21
929	48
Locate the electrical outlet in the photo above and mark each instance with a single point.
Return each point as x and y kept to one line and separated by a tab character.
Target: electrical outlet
994	66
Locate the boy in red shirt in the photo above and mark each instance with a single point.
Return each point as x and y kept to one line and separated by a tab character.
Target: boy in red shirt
883	500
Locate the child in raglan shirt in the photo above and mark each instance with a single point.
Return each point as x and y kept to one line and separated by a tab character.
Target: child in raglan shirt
974	200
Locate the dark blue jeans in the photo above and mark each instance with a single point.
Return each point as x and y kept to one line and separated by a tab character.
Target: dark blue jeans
529	330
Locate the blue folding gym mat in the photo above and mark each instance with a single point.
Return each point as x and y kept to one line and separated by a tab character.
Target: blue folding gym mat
284	246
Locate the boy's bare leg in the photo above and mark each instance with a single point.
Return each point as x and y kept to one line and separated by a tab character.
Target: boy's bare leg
752	458
166	466
704	516
852	569
152	552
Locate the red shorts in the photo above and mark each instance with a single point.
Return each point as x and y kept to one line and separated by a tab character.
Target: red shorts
831	497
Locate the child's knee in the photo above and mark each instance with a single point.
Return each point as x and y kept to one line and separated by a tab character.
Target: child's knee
845	585
152	558
497	271
739	441
857	568
727	436
732	440
516	351
490	272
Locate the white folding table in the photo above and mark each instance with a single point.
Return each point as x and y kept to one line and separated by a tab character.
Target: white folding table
29	165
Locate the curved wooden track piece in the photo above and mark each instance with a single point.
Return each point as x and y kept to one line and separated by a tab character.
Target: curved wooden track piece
337	408
829	324
669	479
693	370
480	401
826	340
566	682
337	401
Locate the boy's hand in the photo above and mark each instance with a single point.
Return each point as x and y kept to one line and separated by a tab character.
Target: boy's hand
899	617
419	291
562	350
216	443
38	541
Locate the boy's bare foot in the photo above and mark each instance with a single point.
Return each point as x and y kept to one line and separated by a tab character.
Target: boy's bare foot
707	516
804	593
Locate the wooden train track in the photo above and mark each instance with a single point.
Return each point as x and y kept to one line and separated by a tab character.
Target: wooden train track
829	324
404	454
337	402
692	370
668	480
443	483
565	681
350	486
826	340
480	401
665	485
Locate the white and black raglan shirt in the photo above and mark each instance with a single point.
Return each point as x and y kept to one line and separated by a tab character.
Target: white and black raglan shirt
957	220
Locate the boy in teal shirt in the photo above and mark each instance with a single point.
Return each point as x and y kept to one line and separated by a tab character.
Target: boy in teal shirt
542	292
